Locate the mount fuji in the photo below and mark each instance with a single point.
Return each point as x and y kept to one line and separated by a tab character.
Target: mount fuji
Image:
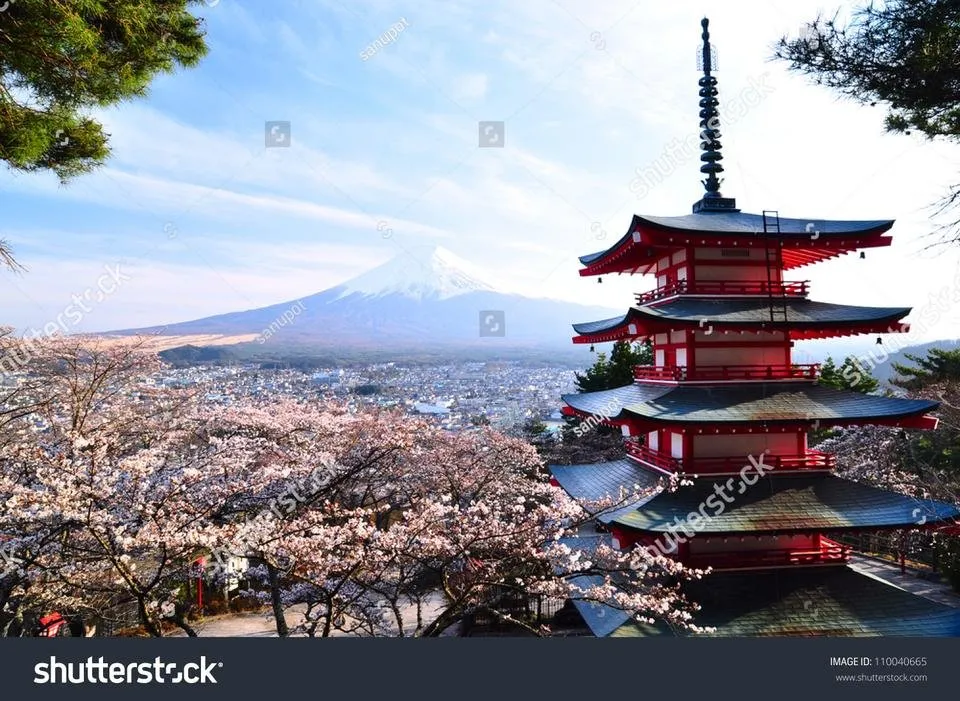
424	303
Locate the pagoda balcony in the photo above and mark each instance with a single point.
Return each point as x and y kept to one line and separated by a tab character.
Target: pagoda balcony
725	287
829	553
811	461
724	373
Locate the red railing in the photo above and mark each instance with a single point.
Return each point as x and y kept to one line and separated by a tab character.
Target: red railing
812	460
828	553
676	373
725	287
654	457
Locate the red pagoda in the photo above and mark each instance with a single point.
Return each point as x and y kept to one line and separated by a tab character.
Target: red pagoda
725	406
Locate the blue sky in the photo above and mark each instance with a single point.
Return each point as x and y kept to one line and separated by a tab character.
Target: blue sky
203	219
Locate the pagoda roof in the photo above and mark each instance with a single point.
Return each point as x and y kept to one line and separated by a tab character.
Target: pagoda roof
825	601
773	504
754	403
804	318
597	481
803	241
601	619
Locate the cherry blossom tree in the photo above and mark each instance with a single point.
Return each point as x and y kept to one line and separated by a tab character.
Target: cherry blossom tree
351	522
921	464
392	526
98	505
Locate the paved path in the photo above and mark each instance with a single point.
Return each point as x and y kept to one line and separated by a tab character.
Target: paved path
888	572
262	625
236	625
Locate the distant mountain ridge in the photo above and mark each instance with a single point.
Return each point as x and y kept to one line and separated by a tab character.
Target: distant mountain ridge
878	359
884	371
416	301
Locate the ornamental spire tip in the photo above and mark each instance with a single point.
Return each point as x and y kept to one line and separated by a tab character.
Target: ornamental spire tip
710	129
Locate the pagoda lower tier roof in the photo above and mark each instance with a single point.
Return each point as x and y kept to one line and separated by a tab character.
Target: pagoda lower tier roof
735	506
803	318
825	601
596	481
754	403
803	241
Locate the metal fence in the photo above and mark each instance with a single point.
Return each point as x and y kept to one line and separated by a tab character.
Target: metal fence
531	609
117	619
915	548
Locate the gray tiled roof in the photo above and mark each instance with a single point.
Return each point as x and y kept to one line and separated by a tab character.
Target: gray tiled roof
603	479
828	601
610	402
746	223
740	223
747	403
588	327
604	619
719	312
772	504
784	503
591	483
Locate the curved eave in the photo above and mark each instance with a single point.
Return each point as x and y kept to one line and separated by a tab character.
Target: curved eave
609	404
762	404
776	505
642	322
921	421
647	240
613	480
822	602
767	505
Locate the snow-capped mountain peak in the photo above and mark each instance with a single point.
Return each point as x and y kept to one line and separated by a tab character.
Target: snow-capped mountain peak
433	273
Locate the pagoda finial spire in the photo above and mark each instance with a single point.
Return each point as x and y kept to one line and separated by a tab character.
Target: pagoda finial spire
710	131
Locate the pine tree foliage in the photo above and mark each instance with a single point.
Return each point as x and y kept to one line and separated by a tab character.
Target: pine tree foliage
904	54
60	59
616	371
850	375
939	365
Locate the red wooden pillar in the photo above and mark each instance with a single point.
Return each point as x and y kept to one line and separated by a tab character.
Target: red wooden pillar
691	351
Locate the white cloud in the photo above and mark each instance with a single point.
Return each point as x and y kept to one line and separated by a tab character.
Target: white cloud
168	200
470	87
590	93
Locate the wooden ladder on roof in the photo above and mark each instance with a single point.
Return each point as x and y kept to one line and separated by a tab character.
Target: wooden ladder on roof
776	291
